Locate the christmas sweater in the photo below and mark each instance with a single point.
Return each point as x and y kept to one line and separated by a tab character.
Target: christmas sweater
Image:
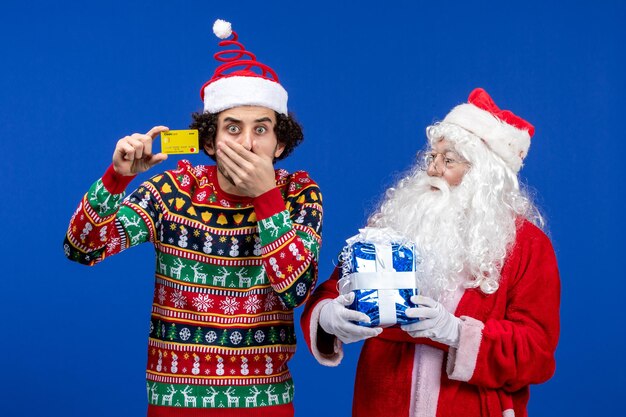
229	272
507	342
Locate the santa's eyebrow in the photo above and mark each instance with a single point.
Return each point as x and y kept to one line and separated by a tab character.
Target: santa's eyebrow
445	151
232	119
263	119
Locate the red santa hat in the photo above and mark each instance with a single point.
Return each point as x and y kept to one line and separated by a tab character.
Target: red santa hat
505	133
241	80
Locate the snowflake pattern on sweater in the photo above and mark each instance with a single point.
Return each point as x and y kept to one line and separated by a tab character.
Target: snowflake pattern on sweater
226	283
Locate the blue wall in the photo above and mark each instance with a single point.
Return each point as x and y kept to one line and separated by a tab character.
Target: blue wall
364	81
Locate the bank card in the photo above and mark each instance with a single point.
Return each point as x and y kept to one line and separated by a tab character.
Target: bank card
180	141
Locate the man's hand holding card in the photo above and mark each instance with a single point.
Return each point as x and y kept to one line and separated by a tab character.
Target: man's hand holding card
133	154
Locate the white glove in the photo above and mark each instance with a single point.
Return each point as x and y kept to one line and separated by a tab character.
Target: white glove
436	323
337	320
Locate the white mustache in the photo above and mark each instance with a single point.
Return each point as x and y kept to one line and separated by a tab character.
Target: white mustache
439	183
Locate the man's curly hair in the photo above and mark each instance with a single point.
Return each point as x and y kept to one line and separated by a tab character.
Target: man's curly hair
288	131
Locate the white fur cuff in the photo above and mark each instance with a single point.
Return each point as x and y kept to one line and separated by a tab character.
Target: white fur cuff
462	360
325	359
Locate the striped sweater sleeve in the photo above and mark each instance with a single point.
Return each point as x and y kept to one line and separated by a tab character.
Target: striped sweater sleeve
290	231
105	223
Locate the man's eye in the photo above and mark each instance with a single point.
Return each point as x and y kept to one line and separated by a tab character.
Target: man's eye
233	129
260	130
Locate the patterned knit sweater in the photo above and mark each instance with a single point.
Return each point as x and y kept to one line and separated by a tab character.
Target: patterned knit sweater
229	272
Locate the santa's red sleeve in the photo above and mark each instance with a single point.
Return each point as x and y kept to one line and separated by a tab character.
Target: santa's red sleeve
517	350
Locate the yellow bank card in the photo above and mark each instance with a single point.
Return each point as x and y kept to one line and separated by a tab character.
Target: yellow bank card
179	141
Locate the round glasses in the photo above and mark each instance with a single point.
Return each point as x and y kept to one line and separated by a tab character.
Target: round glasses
450	159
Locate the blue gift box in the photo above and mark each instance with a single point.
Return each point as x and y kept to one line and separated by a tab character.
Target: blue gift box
369	302
363	253
379	267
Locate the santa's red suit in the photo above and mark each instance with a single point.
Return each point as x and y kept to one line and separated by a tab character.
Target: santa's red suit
507	342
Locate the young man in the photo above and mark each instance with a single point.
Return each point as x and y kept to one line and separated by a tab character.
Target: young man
236	246
489	296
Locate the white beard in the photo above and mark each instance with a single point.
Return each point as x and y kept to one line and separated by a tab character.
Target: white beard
453	238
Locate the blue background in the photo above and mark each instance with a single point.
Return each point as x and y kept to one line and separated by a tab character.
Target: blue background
365	79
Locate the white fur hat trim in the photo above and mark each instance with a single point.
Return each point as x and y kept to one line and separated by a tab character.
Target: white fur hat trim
235	91
507	141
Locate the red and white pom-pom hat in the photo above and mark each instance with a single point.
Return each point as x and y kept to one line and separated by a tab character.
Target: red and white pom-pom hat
241	80
505	133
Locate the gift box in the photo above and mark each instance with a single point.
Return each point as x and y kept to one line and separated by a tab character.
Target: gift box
379	266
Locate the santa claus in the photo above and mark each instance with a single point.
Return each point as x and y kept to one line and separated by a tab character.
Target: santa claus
489	286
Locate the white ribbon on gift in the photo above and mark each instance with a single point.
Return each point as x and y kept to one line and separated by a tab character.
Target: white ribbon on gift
377	281
378	235
387	283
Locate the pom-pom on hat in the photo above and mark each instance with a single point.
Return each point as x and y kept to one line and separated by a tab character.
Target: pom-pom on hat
241	80
505	133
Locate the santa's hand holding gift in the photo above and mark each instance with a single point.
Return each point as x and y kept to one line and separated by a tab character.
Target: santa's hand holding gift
435	322
489	288
338	319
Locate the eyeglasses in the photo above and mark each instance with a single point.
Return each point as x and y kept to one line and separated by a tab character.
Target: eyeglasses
450	159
